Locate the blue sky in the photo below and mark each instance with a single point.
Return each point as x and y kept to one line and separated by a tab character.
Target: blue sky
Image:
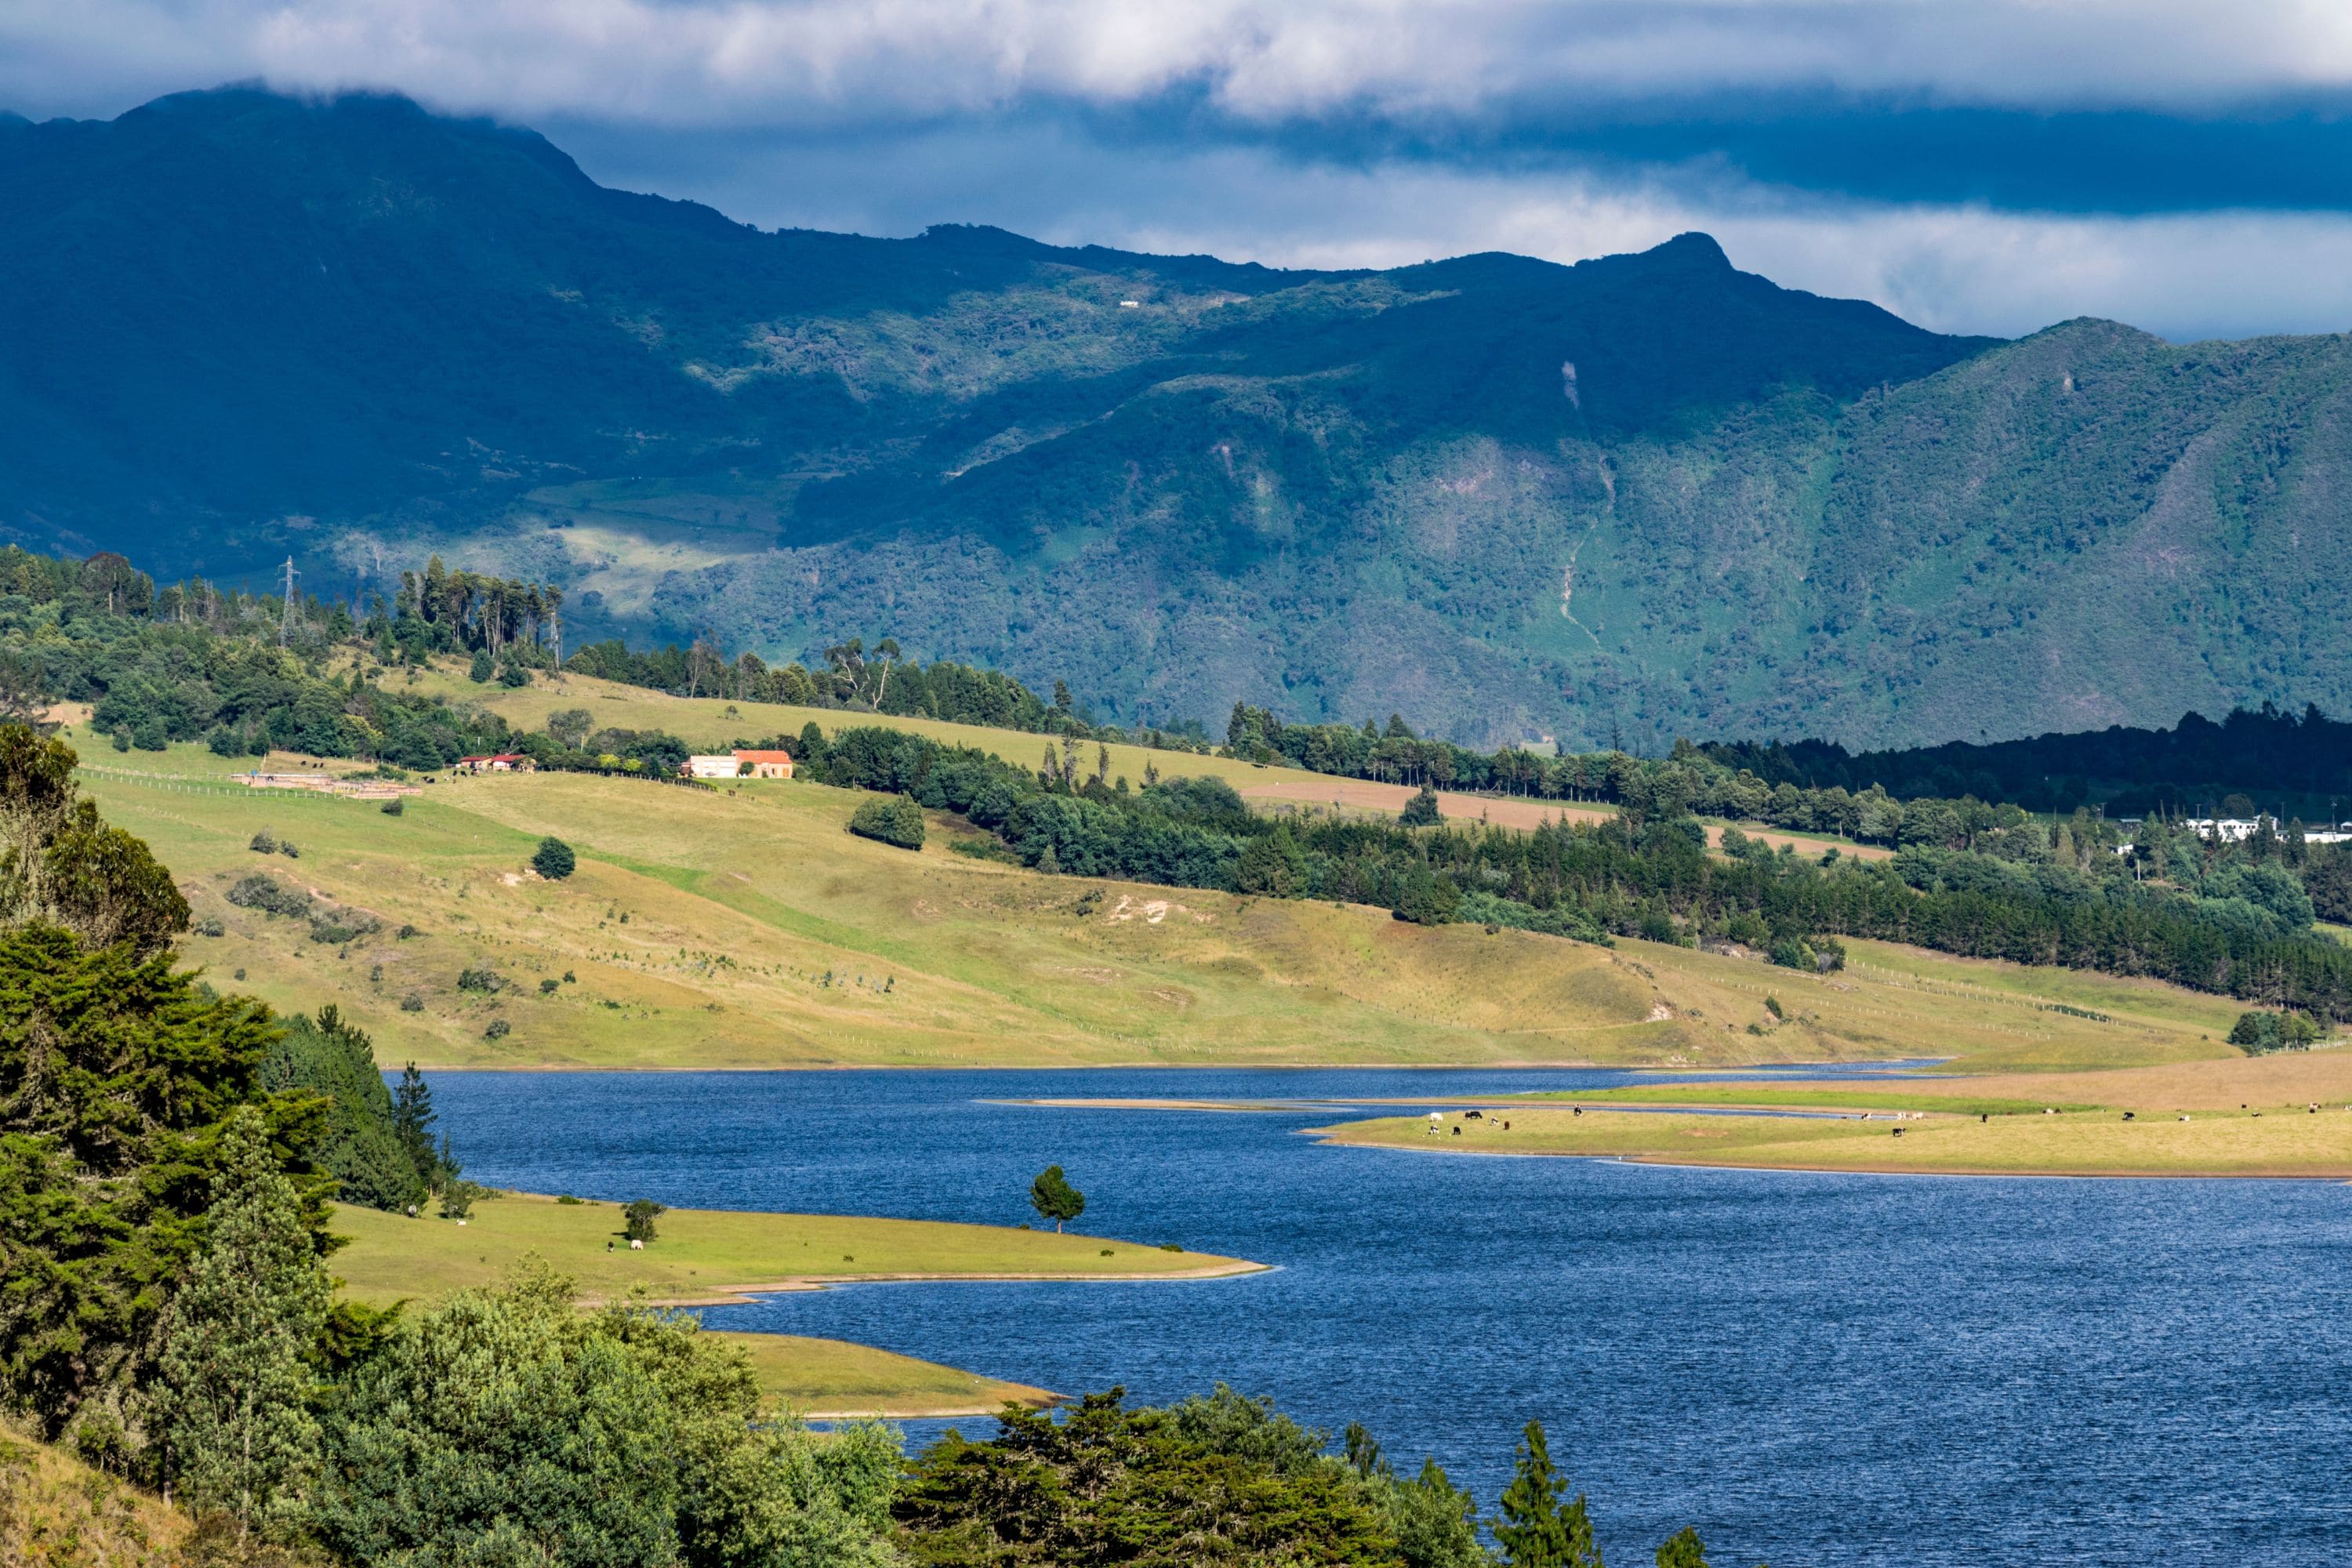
1991	166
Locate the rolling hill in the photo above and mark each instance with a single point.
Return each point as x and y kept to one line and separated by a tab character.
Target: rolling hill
1642	496
744	928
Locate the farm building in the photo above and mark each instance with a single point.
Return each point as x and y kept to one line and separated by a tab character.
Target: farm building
741	763
504	763
768	764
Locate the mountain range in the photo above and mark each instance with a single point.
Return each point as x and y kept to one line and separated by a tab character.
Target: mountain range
1640	497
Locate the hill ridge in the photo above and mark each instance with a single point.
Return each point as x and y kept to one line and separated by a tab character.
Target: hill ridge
376	332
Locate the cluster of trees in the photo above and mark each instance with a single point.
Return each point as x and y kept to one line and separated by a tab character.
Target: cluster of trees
2259	1033
876	680
441	611
1693	779
191	664
1224	1479
2262	754
2026	894
898	820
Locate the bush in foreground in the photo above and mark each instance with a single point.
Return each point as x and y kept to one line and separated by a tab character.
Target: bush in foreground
505	1426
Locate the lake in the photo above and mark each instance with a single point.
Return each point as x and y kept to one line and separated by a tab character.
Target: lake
1813	1369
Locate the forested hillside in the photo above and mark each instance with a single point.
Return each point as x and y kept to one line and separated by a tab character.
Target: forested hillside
1643	497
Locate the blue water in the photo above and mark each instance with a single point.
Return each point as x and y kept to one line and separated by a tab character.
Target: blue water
1813	1369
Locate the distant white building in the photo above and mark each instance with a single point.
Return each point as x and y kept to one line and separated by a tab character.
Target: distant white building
724	766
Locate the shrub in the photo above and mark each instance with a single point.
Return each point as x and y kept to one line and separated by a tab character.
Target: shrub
263	842
2258	1034
270	896
412	1002
478	672
289	850
897	821
567	1200
211	927
395	806
342	927
482	980
1420	811
553	859
405	931
498	1030
548	988
637	1219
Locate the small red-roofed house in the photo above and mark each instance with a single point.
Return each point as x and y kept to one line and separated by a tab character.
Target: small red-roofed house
504	763
768	764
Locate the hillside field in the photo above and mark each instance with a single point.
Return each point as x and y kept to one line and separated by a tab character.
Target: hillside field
745	928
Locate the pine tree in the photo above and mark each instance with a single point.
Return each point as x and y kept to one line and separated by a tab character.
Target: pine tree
232	1407
412	1123
1537	1531
1684	1549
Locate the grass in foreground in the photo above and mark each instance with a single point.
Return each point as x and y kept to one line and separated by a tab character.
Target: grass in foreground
56	1510
2089	1143
712	1255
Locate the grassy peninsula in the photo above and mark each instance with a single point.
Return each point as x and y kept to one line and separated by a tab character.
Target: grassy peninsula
705	1255
2266	1117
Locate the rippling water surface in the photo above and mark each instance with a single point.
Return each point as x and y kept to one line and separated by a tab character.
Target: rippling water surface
1813	1369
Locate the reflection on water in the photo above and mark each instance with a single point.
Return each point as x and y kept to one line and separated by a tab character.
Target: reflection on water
1813	1369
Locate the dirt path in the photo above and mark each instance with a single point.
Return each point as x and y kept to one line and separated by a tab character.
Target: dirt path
1503	811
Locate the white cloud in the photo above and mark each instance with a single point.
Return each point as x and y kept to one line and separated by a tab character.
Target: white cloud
793	61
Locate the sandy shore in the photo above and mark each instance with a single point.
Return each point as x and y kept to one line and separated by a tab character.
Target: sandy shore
737	1295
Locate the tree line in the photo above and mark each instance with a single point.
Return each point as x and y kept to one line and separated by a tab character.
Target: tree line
2282	762
2238	927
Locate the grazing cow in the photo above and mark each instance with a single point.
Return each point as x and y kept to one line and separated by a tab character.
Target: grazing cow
1458	1133
1898	1132
635	1245
1576	1109
1474	1116
2127	1116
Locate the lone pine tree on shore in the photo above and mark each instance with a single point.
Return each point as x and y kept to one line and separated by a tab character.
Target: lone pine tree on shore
1053	1197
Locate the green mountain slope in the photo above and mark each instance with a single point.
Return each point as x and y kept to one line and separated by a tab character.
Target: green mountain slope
1642	496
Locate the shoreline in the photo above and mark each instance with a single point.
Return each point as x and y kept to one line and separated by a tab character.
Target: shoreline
748	1294
1914	1064
2340	1177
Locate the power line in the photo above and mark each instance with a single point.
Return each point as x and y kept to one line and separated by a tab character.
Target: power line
286	613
